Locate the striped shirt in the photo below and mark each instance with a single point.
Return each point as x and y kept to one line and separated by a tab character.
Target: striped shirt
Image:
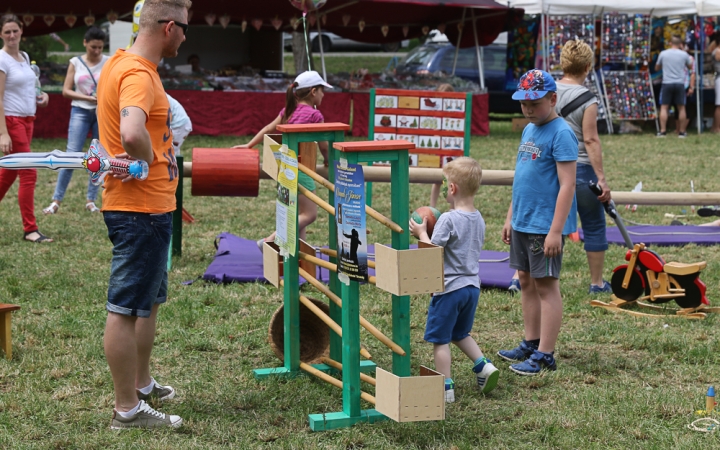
304	114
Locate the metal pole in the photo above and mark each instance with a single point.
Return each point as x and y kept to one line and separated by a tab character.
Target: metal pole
478	53
457	47
322	52
700	42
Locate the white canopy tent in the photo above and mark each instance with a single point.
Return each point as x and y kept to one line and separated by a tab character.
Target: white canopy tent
657	8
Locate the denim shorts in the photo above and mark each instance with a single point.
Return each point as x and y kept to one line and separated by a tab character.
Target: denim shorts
451	315
138	272
591	211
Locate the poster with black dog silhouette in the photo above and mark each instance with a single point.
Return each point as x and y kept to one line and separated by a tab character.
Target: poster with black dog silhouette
350	220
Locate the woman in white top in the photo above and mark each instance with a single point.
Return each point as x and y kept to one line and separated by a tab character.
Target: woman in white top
19	100
80	86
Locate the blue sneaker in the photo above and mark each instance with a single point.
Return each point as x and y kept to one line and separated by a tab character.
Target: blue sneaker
519	353
514	286
487	375
536	363
595	289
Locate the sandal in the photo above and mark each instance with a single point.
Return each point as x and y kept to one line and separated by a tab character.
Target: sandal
90	206
41	239
52	209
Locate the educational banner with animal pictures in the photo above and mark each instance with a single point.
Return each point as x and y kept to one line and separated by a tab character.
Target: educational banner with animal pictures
350	221
286	203
438	123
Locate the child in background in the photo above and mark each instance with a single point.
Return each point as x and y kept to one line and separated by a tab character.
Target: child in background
543	197
180	124
301	102
461	231
435	190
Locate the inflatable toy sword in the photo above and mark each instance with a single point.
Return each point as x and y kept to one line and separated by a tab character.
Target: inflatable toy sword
96	161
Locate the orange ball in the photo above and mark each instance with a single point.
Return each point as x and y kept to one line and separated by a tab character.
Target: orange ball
430	214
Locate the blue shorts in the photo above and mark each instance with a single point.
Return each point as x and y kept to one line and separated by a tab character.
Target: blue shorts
591	211
138	272
451	315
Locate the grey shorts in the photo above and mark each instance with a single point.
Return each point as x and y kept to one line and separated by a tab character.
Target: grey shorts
527	254
673	94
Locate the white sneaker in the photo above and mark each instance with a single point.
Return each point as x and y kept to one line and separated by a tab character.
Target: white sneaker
487	378
450	396
145	417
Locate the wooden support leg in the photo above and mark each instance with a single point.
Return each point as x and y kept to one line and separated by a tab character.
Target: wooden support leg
6	334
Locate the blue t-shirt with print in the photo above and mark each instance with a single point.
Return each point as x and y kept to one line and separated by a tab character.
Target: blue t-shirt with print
536	184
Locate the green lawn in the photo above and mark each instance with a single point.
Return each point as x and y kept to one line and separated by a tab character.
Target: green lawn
621	382
336	64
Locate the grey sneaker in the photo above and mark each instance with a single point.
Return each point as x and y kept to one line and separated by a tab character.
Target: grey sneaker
145	417
159	392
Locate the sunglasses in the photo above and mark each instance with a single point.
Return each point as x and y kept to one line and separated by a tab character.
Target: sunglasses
184	26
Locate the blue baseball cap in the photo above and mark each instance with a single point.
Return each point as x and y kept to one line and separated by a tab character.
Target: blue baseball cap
534	84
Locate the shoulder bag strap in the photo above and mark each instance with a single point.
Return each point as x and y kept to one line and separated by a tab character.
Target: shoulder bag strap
575	104
88	69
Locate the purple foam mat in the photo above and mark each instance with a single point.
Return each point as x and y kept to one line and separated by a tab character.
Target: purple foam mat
665	235
240	260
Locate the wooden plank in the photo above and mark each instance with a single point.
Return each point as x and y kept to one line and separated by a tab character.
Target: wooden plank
373	146
312	127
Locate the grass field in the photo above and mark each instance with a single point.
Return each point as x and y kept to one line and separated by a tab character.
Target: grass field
621	382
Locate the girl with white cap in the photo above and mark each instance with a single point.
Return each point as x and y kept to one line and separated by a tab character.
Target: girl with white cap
303	98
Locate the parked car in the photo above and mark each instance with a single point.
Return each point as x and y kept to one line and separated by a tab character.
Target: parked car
434	58
333	42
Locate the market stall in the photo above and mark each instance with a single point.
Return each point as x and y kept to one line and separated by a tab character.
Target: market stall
630	37
245	89
226	113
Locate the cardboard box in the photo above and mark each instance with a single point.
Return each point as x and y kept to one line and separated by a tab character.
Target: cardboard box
269	163
410	399
519	124
410	272
272	263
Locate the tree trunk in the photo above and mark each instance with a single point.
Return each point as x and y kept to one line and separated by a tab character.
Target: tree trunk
299	54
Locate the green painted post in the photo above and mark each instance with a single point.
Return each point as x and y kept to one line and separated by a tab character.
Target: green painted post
351	337
291	293
371	137
400	198
336	352
468	123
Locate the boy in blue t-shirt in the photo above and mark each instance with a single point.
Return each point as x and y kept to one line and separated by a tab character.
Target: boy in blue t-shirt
542	211
461	232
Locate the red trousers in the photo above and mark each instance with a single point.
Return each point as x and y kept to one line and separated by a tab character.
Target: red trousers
20	130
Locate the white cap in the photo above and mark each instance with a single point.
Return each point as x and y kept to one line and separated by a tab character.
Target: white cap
310	79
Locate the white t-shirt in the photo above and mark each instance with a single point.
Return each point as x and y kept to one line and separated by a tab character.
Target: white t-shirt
19	99
179	116
84	82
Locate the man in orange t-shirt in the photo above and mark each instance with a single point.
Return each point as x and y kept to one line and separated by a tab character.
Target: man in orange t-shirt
134	121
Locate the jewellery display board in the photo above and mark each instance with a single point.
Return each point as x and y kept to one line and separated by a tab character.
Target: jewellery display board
629	95
561	29
626	39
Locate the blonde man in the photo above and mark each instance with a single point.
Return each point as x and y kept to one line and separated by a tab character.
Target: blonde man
461	231
134	118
